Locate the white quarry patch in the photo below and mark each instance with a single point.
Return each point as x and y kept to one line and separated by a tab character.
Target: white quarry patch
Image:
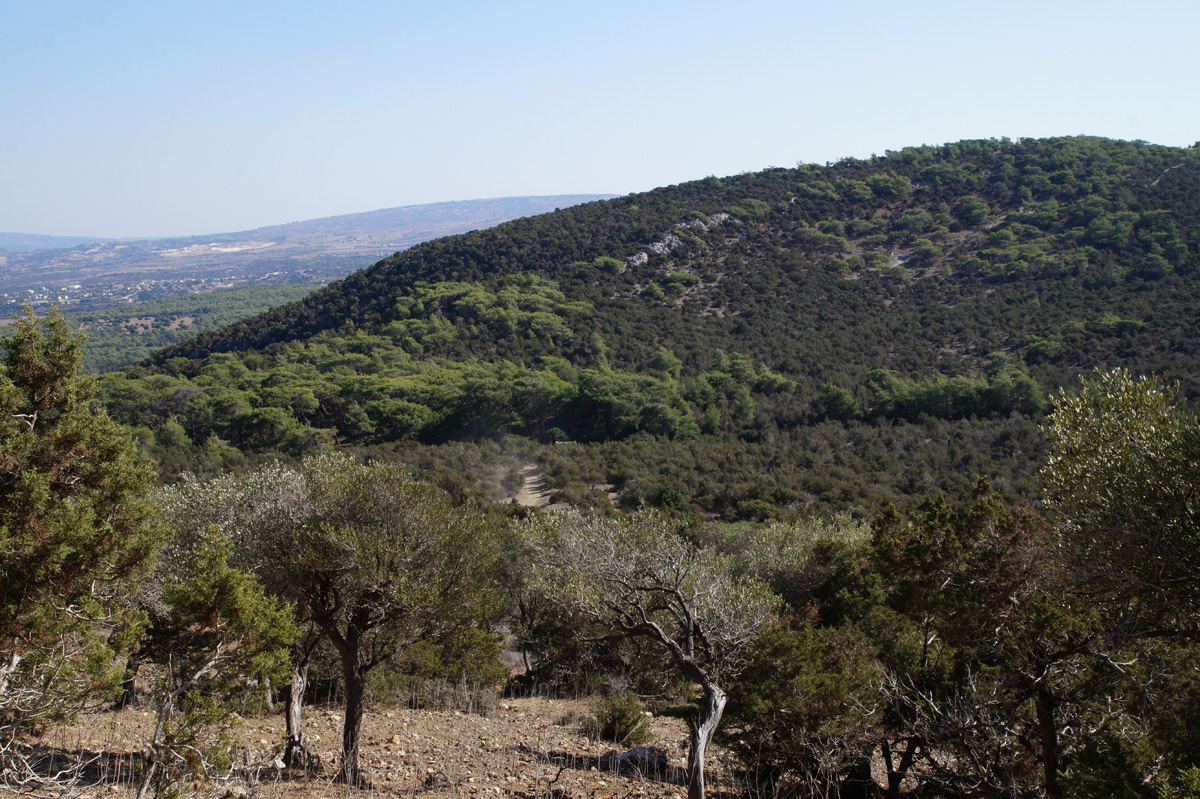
201	249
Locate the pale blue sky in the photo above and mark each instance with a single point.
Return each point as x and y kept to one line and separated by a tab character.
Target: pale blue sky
164	118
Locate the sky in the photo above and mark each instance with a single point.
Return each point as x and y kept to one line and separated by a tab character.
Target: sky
153	119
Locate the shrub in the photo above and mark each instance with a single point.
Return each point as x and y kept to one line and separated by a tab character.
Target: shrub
619	719
800	706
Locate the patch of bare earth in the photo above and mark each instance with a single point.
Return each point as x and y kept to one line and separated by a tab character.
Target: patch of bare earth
528	748
534	492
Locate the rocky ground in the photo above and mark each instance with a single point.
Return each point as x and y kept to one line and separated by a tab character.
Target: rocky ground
526	748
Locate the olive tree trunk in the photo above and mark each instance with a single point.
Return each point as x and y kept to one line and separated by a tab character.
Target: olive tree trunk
128	697
355	680
712	707
297	755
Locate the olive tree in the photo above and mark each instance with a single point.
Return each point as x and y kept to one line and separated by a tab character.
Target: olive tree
372	557
258	512
1123	477
639	576
385	562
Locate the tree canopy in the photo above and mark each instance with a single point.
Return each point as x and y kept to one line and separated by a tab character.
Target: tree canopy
916	307
1124	478
376	559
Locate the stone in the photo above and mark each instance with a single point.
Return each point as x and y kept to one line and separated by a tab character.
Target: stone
643	760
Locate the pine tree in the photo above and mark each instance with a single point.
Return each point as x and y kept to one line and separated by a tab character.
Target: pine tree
75	530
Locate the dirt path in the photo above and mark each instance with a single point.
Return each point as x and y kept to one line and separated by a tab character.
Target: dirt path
534	492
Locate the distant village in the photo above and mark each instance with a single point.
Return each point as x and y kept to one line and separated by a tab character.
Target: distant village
97	294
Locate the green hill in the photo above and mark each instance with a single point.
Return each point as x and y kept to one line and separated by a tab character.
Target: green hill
747	346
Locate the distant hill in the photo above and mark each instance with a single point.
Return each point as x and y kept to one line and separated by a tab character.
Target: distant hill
410	224
825	336
30	242
88	275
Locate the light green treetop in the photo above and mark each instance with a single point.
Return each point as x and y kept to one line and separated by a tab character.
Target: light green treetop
1124	478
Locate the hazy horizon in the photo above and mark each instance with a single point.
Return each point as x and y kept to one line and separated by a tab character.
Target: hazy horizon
85	239
145	120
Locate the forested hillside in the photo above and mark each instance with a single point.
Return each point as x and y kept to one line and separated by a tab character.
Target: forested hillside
747	346
874	538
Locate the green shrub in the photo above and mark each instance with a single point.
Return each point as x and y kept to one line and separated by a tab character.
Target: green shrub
461	672
801	706
620	719
1186	786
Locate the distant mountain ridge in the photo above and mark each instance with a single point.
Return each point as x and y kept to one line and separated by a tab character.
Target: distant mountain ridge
424	221
31	242
89	274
